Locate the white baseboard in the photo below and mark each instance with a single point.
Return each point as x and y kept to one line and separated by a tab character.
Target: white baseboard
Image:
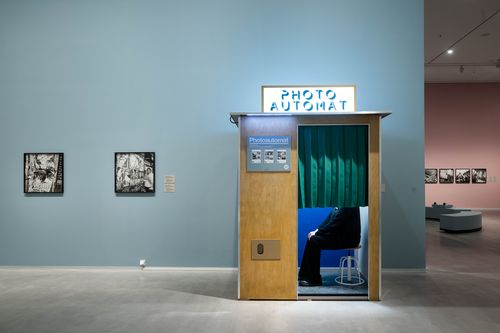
118	268
57	267
177	268
227	269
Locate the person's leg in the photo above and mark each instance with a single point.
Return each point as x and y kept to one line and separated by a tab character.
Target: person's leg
310	265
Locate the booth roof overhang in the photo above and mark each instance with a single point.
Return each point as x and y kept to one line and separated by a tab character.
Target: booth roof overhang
234	116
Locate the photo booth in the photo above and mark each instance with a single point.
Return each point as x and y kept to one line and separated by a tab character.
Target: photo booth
270	190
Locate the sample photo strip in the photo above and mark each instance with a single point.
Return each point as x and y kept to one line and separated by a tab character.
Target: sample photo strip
479	176
256	156
281	156
134	172
43	173
269	156
431	176
462	176
446	176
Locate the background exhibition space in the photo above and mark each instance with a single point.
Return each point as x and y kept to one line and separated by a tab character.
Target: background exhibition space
461	131
91	78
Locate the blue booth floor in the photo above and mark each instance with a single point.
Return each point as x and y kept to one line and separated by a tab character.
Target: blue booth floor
331	288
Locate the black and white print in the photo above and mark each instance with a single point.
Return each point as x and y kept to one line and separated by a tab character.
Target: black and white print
43	173
256	156
269	156
281	156
446	176
134	172
431	176
479	176
462	176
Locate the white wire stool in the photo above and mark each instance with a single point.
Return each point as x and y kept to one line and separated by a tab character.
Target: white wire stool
350	263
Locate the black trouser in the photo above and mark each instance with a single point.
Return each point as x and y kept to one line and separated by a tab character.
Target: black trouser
310	265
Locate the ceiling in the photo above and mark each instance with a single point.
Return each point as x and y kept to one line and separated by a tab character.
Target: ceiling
472	29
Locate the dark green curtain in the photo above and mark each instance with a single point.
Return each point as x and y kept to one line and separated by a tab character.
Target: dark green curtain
333	166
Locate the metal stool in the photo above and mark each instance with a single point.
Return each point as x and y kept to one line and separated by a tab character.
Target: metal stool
349	263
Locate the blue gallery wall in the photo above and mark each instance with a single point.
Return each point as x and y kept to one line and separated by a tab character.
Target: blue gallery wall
89	78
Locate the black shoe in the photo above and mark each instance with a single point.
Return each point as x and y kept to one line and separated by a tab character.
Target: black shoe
304	283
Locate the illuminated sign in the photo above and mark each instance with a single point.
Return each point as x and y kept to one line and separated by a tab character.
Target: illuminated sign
308	98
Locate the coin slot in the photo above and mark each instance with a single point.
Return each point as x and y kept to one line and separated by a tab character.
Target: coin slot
265	249
260	249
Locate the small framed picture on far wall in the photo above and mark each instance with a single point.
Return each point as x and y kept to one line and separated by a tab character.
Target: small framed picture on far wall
462	176
478	176
431	176
446	176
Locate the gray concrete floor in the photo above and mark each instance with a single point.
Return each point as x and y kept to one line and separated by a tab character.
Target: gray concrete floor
460	292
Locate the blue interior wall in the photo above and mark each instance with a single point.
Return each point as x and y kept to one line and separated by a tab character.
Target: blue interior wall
89	78
308	220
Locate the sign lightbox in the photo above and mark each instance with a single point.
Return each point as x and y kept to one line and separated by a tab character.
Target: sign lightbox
333	98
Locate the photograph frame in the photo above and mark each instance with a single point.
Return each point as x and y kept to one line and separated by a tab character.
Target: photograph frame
462	175
131	172
431	176
446	176
43	173
479	176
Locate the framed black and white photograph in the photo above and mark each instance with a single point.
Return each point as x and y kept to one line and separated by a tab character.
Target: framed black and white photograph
43	173
134	172
446	176
479	176
431	176
462	176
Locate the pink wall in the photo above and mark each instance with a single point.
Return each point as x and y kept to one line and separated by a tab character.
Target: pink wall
462	130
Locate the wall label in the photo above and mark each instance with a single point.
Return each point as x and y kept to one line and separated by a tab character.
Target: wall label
309	98
268	153
169	184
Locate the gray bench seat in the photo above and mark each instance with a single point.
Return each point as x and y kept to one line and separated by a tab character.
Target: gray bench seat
461	222
435	212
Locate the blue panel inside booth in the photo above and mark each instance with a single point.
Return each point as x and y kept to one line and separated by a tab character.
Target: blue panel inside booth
308	220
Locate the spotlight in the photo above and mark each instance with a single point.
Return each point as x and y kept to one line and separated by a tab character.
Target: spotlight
450	51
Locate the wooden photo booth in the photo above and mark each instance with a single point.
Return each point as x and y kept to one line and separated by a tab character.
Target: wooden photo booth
268	204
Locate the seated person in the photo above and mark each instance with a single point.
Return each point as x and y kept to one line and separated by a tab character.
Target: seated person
340	230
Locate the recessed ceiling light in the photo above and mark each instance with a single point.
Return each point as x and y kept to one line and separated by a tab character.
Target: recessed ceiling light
450	51
486	34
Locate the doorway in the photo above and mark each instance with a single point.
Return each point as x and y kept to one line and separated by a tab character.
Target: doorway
333	172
